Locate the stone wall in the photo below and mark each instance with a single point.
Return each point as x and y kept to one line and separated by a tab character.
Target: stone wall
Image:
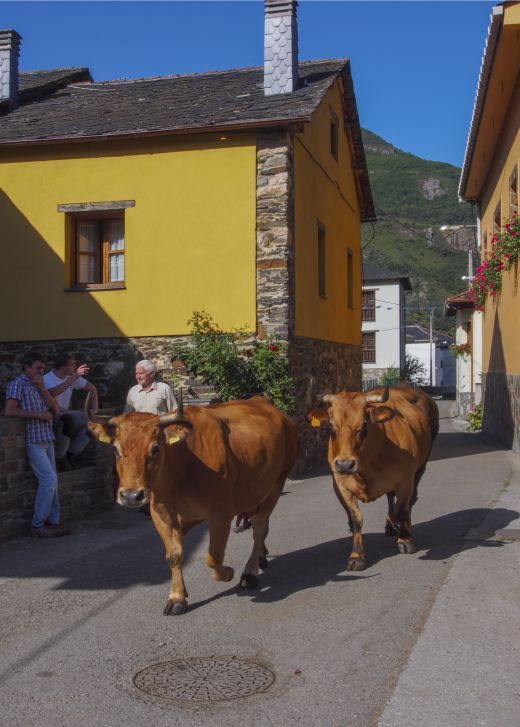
319	367
107	358
501	406
82	491
274	236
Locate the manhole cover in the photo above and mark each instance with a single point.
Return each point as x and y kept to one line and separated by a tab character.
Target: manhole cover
204	679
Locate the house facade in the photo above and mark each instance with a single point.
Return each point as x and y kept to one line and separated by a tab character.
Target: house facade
468	339
435	356
490	179
128	205
383	318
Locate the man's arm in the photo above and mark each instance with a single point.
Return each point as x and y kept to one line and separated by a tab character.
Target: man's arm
46	395
93	402
171	401
69	381
12	409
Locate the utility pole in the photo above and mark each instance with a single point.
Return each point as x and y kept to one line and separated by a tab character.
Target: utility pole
431	344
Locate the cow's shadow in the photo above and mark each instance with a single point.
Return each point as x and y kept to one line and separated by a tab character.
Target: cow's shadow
307	568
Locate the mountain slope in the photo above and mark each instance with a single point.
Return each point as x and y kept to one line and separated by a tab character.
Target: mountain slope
413	199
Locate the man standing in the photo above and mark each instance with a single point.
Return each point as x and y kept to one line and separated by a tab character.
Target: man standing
154	397
64	377
27	398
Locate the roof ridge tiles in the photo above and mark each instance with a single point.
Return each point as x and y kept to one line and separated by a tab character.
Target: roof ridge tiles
214	72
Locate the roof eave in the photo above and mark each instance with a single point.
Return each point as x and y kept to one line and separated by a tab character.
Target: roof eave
294	124
497	16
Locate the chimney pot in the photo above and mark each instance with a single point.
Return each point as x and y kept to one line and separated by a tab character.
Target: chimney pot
9	53
280	47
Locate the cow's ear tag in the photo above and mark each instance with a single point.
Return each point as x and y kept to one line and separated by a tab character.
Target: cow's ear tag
173	437
315	422
103	437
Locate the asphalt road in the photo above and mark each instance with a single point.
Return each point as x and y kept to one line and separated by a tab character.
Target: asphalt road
81	616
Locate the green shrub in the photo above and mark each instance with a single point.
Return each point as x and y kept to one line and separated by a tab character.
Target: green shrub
221	360
475	419
390	376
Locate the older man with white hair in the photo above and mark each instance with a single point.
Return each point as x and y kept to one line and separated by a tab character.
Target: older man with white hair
148	395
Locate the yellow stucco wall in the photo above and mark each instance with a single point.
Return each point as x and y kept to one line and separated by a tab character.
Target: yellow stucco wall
325	193
190	239
501	340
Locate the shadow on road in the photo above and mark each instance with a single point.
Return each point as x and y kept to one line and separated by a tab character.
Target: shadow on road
300	570
462	444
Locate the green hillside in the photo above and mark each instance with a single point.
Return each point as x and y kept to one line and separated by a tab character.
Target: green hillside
413	199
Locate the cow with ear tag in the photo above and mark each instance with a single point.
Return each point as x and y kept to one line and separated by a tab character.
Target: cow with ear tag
379	443
204	464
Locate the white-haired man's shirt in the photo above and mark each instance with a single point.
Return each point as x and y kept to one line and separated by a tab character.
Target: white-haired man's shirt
158	399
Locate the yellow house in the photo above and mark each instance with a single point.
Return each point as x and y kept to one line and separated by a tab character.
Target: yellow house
490	179
127	205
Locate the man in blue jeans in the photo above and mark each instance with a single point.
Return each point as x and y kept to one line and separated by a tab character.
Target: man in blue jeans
27	398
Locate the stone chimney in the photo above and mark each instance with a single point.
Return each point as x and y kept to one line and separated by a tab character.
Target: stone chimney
280	47
9	52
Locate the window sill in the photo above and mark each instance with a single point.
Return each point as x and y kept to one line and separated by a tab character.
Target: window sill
95	286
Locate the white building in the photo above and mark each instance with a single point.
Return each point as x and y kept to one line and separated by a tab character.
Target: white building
383	321
468	323
436	357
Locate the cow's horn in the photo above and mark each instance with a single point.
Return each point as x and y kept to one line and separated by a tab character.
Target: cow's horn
378	398
103	420
328	398
166	419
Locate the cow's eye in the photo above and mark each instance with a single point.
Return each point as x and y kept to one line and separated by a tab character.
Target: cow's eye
154	449
333	431
362	433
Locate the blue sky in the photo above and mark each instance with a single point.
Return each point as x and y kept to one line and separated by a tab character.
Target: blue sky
415	64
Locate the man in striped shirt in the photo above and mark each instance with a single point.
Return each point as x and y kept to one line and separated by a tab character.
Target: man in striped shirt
27	398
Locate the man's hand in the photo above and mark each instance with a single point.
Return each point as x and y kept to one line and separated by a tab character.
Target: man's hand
37	380
82	369
44	416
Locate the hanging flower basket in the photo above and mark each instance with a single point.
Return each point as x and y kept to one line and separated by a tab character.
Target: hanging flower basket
461	350
505	250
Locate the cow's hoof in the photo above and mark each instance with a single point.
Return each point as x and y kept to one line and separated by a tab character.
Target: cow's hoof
356	564
264	563
175	608
248	580
390	530
406	547
225	573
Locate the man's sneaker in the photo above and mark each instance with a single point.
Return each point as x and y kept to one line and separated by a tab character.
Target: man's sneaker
58	529
46	531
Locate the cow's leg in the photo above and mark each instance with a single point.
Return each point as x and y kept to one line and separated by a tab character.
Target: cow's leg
172	538
356	559
218	537
390	525
405	541
260	523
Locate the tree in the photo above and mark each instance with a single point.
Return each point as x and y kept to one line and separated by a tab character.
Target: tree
414	371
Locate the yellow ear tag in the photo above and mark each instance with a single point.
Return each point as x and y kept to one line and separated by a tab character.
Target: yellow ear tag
105	438
172	438
315	422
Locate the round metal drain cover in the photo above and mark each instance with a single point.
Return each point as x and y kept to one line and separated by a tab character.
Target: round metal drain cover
204	679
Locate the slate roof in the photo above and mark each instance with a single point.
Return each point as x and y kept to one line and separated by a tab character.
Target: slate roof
373	274
54	110
459	300
418	334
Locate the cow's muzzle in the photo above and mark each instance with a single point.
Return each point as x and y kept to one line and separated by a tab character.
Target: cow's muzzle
133	498
345	466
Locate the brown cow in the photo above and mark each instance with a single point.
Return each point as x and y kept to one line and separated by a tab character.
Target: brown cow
204	464
379	444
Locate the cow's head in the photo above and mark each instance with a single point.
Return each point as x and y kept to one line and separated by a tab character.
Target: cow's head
350	417
140	442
